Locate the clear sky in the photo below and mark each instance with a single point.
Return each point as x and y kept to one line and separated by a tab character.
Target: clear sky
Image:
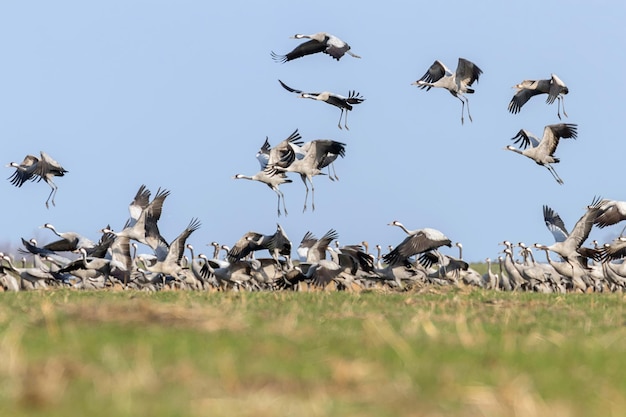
181	95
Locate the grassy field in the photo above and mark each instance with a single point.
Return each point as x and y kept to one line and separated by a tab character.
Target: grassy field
436	351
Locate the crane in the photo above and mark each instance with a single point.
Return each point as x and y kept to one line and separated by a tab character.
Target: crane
319	154
318	42
343	103
542	151
610	212
273	179
33	168
70	241
553	87
570	248
142	226
418	241
458	83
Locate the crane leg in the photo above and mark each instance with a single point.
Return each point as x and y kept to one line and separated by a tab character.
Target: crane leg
281	195
345	120
560	104
312	195
554	174
464	102
442	264
462	108
52	194
340	116
278	208
332	176
306	195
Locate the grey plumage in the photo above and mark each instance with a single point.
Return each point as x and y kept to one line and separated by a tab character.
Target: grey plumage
317	155
33	168
343	103
553	87
542	151
318	42
417	242
458	83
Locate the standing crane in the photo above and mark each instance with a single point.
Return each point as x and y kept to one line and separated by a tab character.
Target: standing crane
458	83
33	168
343	103
542	151
318	42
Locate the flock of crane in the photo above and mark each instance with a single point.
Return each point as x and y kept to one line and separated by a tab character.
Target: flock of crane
78	262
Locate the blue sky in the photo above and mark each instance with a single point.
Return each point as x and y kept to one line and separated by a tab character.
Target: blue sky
181	95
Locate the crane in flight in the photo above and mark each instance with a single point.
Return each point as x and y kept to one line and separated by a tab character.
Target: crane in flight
458	83
553	87
33	168
542	151
318	42
344	104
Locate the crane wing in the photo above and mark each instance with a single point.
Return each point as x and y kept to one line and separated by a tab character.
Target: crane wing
436	71
323	273
520	98
139	203
555	224
525	139
582	228
29	161
613	251
562	130
609	213
291	90
336	47
322	149
354	97
467	72
317	251
244	246
552	134
556	88
283	154
308	240
307	48
177	247
47	165
49	160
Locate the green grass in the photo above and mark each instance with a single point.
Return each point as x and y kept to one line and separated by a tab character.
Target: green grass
439	351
